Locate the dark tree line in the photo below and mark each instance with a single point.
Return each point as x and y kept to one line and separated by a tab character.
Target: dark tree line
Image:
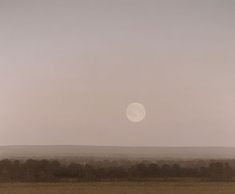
50	170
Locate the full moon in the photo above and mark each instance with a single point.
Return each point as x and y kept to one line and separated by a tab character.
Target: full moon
135	112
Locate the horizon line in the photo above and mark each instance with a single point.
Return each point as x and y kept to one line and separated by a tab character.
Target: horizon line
127	146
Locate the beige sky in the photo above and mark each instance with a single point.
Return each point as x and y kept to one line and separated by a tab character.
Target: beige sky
69	69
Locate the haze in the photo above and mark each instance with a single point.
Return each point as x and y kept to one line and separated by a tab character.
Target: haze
69	69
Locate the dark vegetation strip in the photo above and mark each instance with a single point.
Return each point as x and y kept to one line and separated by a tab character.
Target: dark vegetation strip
52	170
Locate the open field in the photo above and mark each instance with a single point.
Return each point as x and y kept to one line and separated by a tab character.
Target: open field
119	188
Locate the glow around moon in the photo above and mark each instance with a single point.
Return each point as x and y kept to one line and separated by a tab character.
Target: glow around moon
135	112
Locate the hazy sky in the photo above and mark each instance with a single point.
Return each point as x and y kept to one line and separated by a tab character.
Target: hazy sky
69	69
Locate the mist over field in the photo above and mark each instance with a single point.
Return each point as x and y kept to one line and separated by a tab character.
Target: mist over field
117	152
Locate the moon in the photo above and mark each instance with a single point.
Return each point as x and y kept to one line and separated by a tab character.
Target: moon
135	112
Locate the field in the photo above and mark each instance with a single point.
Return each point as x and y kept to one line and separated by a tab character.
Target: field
119	188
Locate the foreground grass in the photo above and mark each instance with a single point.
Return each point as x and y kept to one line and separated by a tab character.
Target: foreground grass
119	188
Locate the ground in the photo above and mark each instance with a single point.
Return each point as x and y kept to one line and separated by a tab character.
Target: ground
119	188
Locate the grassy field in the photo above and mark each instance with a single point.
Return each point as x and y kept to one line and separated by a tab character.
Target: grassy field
118	188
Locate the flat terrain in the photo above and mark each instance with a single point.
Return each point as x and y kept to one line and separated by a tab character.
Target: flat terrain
67	151
118	188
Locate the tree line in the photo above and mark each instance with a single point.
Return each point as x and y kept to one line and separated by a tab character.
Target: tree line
52	170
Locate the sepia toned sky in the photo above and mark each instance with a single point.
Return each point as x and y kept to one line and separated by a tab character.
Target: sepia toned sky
69	69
